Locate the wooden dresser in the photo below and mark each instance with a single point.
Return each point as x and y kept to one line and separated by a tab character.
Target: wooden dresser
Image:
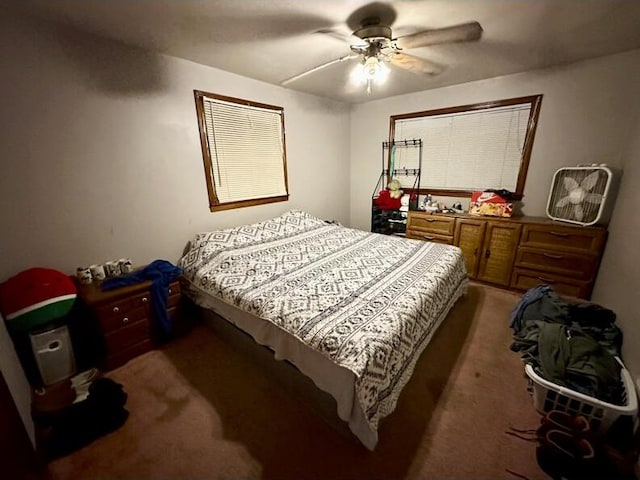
518	252
126	319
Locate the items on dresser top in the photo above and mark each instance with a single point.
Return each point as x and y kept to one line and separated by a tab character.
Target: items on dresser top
98	272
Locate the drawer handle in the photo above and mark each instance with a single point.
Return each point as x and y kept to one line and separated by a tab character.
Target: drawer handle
545	280
169	291
125	320
116	309
427	237
431	219
559	234
475	252
144	299
487	254
555	257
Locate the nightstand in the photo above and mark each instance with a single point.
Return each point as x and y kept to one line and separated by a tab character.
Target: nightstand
126	318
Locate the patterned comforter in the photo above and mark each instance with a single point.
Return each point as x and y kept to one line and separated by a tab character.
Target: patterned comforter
366	301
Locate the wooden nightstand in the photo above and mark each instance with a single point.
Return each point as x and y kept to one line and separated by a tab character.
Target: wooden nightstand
126	318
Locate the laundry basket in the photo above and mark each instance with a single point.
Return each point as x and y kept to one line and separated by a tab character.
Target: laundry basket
601	415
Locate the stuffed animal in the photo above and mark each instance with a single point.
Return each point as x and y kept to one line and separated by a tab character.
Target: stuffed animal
385	202
394	188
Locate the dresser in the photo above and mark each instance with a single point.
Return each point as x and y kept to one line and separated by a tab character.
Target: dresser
567	258
520	252
126	319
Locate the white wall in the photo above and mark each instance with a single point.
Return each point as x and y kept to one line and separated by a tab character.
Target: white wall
584	119
618	282
101	155
589	114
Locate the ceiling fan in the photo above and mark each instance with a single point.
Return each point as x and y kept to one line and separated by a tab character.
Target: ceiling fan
375	47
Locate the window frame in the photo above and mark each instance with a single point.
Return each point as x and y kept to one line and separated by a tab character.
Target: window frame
534	100
214	202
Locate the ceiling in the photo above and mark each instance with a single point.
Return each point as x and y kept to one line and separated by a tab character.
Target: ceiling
277	39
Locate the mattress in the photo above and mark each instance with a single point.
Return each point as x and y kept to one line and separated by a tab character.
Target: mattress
352	310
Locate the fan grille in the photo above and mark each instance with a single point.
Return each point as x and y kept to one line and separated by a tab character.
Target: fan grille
575	197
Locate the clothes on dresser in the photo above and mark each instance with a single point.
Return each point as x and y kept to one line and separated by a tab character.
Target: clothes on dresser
161	273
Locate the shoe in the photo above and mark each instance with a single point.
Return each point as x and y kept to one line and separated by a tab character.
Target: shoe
562	455
85	377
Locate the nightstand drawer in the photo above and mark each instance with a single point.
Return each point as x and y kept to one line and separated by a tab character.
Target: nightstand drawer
173	300
127	336
174	289
114	322
574	265
431	223
123	306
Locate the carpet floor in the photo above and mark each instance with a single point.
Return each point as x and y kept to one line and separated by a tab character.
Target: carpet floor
201	408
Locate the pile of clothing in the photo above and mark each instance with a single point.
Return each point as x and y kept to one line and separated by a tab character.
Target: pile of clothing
570	343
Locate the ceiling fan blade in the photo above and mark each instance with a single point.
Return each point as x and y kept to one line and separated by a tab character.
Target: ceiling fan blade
466	32
415	64
347	38
319	67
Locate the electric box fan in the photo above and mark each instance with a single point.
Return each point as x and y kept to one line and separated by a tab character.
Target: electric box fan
581	194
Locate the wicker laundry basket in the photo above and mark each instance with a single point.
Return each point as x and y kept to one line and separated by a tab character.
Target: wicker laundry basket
550	396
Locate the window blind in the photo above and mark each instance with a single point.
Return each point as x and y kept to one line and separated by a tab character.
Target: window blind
473	150
246	149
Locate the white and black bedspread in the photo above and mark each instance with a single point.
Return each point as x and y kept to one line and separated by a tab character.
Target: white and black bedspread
368	302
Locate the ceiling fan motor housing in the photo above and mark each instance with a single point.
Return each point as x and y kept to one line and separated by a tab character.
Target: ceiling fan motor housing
373	32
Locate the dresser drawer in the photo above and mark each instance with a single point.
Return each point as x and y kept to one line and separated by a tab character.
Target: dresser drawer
174	289
126	336
112	322
123	306
558	237
174	300
429	237
574	265
431	223
525	279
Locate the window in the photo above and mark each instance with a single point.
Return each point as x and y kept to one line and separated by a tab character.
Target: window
243	149
471	147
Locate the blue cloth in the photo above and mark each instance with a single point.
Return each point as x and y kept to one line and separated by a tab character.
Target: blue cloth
531	296
161	273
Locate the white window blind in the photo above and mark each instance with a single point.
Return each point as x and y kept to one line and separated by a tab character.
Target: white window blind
472	150
246	149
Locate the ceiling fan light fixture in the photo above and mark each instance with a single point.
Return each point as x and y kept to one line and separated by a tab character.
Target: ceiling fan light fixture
372	70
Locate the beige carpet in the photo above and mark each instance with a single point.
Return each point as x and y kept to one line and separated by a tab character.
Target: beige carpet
203	408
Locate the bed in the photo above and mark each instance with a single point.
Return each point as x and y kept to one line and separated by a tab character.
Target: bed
351	310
